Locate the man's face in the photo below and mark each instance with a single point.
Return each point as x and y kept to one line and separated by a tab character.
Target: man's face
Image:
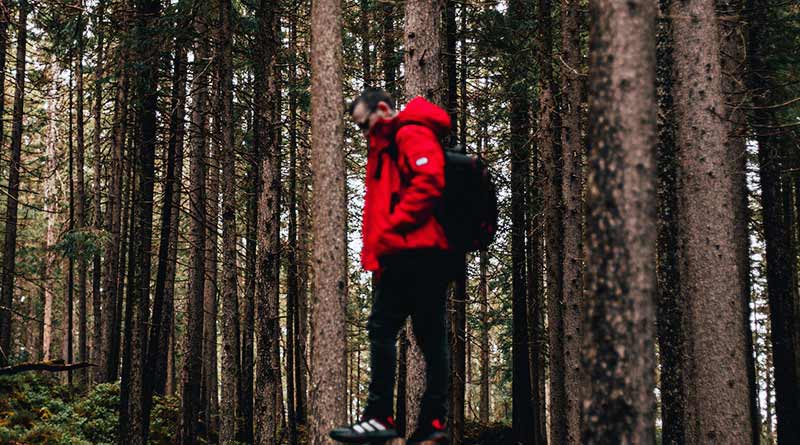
366	119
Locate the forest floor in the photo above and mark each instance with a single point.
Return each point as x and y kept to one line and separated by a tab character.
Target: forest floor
37	408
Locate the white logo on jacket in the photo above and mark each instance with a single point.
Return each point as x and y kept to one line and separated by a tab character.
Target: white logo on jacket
421	161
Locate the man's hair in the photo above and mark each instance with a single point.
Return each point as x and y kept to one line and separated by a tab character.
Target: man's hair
371	98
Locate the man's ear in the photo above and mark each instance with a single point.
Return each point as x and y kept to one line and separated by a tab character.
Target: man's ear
384	107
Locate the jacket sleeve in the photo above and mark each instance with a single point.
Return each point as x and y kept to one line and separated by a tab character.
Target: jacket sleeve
419	149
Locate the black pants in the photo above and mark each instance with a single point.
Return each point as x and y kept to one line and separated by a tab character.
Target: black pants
414	284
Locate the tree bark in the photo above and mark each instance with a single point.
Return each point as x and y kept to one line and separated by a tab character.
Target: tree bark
210	392
293	361
267	379
712	293
423	71
248	310
146	83
51	208
389	60
97	330
619	405
113	219
10	240
193	360
161	325
670	326
733	63
329	204
80	205
523	399
230	302
571	176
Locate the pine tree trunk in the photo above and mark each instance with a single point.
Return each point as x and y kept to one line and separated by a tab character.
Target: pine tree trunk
112	254
571	176
248	306
523	422
68	334
161	325
137	430
303	278
669	320
483	409
777	237
123	279
97	330
423	71
193	360
712	293
230	303
458	296
80	205
163	301
389	60
210	398
329	207
51	208
267	379
10	240
733	63
619	406
292	360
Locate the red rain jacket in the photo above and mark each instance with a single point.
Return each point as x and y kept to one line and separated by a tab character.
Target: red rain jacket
399	204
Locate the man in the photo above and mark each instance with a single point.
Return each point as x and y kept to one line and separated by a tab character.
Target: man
407	250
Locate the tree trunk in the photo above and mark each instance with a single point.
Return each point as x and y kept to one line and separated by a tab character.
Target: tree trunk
230	302
210	397
389	60
293	361
669	321
483	409
10	240
423	71
113	218
268	384
193	360
147	11
68	334
123	279
619	406
51	208
80	205
523	399
163	301
712	294
330	214
571	176
733	63
161	325
780	292
248	309
97	330
303	272
458	296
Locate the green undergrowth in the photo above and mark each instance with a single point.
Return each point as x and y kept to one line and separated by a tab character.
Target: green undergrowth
38	409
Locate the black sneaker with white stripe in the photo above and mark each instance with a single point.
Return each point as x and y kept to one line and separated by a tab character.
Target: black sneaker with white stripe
366	430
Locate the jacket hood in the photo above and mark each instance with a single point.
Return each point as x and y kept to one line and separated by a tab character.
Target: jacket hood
424	112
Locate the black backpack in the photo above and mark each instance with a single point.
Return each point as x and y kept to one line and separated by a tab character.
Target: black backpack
468	208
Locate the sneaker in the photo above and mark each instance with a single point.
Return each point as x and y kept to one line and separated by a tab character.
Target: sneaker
367	430
429	432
